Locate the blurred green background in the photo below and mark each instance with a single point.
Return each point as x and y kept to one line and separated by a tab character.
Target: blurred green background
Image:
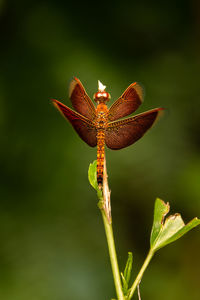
52	241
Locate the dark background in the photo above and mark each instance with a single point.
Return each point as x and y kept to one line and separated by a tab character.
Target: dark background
52	241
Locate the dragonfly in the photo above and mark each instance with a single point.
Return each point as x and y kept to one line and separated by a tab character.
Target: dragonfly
100	125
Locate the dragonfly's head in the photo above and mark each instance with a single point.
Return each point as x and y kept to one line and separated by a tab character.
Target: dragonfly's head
101	95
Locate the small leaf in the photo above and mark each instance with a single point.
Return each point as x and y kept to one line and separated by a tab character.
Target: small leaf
193	223
160	211
169	230
124	284
171	226
127	273
128	268
92	175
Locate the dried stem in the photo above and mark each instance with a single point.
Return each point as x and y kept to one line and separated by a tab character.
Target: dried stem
106	194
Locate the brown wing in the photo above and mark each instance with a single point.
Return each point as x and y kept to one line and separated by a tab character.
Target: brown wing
129	101
80	100
83	126
121	134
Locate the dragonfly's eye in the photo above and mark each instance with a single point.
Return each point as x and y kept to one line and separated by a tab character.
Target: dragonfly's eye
97	96
106	96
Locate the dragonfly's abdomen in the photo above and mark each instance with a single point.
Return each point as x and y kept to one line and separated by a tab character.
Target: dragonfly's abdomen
101	125
100	155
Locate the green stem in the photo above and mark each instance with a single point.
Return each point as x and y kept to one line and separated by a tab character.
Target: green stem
140	274
113	256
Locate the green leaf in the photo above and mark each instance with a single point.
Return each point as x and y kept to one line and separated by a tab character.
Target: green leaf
128	268
193	223
92	175
168	230
127	273
124	284
160	211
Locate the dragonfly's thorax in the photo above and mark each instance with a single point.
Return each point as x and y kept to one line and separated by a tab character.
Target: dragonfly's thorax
102	112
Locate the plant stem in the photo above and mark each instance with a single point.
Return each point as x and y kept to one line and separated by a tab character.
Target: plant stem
113	256
140	274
